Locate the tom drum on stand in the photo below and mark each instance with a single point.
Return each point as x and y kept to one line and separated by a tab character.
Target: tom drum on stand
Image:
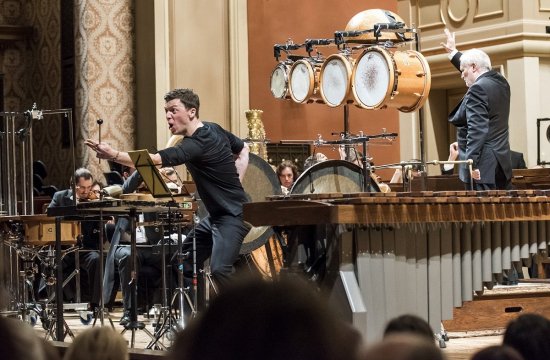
399	80
335	80
279	81
304	81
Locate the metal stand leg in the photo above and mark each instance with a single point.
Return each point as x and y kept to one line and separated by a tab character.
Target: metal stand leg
100	312
442	337
134	325
168	323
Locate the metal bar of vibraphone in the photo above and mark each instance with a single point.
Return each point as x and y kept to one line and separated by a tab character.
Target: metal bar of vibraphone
515	241
496	248
533	238
446	246
456	265
377	309
389	274
401	271
541	235
365	278
506	245
434	277
477	280
524	240
466	262
411	287
421	254
486	253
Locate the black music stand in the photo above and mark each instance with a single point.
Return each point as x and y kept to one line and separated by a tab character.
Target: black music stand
156	185
150	174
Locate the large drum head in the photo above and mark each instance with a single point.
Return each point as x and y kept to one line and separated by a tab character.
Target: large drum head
279	81
373	78
260	181
335	79
365	20
302	81
331	176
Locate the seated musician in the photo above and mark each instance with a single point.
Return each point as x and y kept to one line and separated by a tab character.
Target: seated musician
287	173
89	260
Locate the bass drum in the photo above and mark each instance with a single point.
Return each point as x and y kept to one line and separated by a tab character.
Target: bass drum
260	181
331	176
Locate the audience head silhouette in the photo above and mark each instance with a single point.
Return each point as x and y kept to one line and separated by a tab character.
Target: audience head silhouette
256	319
20	342
529	334
409	324
98	343
497	352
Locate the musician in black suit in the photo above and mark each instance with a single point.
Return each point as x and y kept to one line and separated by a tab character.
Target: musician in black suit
89	260
481	119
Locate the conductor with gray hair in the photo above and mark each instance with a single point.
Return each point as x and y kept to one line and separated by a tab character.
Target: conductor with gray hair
481	119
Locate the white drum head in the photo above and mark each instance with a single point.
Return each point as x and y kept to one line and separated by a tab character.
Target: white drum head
334	82
279	82
300	81
371	79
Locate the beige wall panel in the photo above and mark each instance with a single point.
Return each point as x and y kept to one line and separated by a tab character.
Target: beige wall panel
489	8
544	76
457	10
544	5
428	15
199	55
522	74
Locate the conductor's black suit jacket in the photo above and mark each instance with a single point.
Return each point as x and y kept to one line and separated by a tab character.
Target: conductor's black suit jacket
481	119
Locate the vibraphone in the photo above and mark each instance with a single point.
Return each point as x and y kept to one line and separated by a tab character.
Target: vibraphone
418	252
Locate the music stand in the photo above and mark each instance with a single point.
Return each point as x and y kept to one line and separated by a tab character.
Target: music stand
153	180
150	174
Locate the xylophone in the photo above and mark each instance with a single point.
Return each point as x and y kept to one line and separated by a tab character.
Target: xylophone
416	252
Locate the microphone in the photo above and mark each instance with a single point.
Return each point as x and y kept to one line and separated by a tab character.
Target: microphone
113	191
388	26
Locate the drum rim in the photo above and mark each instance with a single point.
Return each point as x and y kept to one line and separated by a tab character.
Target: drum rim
276	187
325	164
311	74
284	67
349	63
389	91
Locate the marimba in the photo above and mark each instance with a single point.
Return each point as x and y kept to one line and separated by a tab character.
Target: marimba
418	252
